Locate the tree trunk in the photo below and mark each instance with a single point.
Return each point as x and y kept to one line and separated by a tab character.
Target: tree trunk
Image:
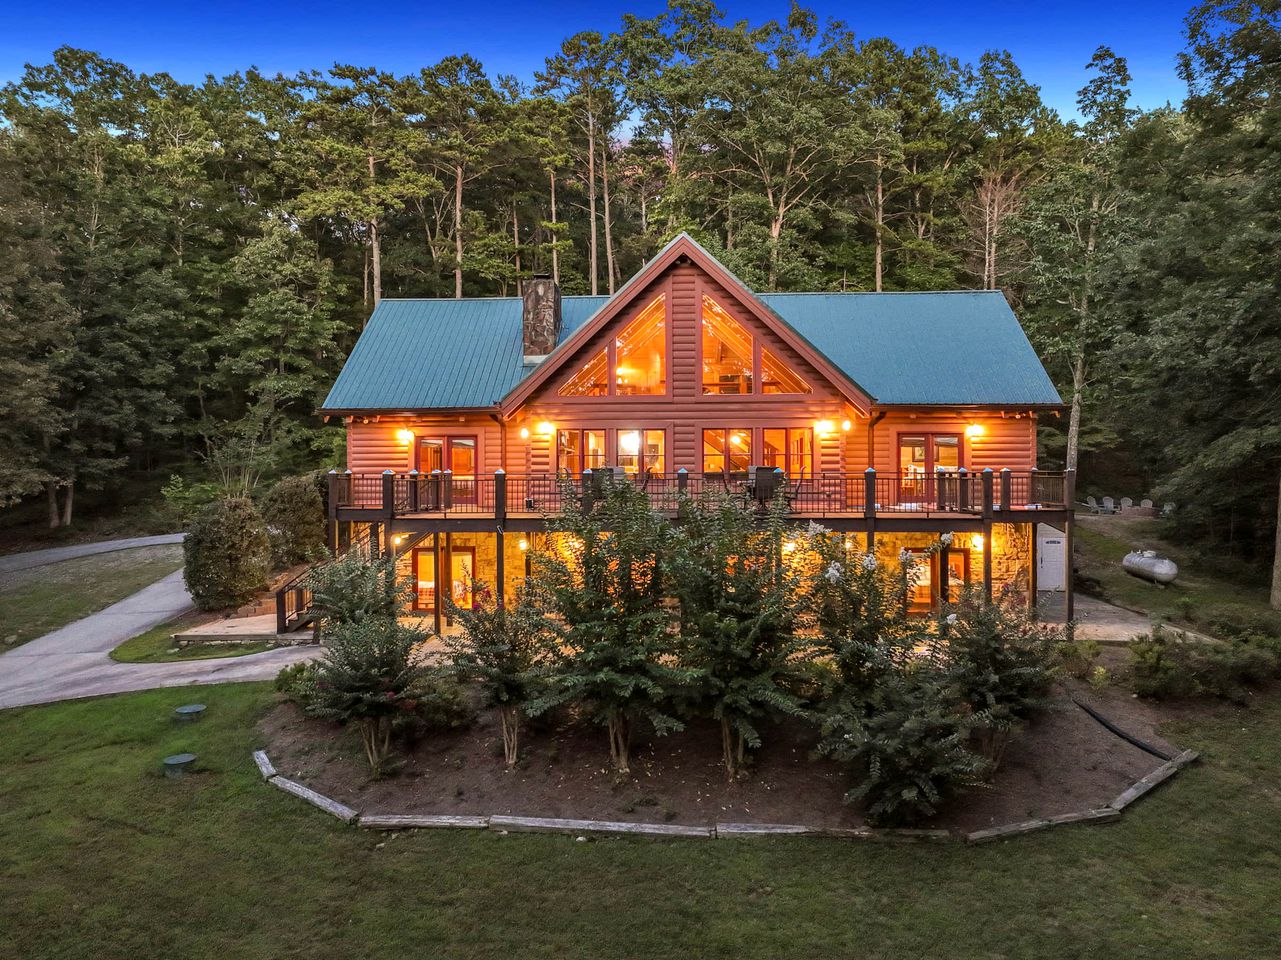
1074	417
67	501
1275	599
880	223
376	260
458	232
516	237
620	741
510	717
609	241
51	492
555	233
591	199
775	231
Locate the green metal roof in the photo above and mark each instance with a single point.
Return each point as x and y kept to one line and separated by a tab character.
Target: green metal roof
954	348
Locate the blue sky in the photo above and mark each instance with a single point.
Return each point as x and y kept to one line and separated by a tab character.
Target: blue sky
1051	41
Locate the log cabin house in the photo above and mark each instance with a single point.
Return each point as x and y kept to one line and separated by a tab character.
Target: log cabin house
892	417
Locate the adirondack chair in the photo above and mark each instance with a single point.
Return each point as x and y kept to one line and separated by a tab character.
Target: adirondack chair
1127	503
1109	505
1167	509
1146	504
1092	504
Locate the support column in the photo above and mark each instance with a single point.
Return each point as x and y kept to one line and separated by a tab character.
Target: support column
869	507
944	585
500	566
988	483
1031	570
436	567
500	519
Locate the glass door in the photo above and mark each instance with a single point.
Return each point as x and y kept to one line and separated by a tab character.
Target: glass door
920	458
456	454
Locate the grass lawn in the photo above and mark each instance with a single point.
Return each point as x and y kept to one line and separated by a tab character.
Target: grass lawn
33	602
155	645
101	856
1101	543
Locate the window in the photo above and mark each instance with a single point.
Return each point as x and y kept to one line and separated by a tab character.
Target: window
727	450
727	352
920	456
641	349
925	588
732	359
633	365
591	380
641	451
790	450
777	378
579	450
463	561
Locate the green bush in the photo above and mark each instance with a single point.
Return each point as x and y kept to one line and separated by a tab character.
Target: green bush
296	682
370	675
999	665
227	554
352	589
295	517
507	650
1168	665
1235	623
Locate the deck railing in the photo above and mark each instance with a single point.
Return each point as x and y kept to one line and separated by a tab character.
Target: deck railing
870	493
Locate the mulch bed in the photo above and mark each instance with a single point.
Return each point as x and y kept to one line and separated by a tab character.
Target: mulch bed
1064	762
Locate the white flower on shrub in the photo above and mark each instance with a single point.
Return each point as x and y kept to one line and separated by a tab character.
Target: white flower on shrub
951	619
946	539
834	571
816	529
869	561
904	557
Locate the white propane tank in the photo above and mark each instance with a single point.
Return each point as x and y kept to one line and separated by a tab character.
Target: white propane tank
1147	565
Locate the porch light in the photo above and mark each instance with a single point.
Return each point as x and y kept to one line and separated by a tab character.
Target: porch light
976	542
824	427
547	428
975	430
846	425
405	436
398	539
524	544
524	433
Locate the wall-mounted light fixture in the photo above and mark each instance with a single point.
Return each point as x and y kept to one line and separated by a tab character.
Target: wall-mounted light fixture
975	430
524	433
405	436
823	427
847	425
547	428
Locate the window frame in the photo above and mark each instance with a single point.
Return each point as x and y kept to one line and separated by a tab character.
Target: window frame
809	473
725	432
614	331
779	351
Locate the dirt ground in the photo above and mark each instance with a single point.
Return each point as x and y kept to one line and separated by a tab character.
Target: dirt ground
1064	762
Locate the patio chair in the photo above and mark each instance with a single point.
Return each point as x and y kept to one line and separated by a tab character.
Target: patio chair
1092	503
1167	510
1109	505
1127	503
1146	504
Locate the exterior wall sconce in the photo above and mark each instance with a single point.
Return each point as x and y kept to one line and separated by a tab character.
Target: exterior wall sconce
524	544
976	542
547	428
846	425
823	427
524	433
975	430
405	436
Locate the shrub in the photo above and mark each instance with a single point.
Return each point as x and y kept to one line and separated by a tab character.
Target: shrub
906	742
738	619
999	665
296	682
1234	623
1167	665
506	651
602	579
226	554
183	500
352	589
295	520
371	676
1077	654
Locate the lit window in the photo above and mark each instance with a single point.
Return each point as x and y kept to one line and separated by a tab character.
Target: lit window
790	450
579	450
591	380
641	349
727	451
727	352
777	378
641	450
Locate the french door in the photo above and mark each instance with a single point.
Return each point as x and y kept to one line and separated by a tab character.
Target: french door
920	457
456	454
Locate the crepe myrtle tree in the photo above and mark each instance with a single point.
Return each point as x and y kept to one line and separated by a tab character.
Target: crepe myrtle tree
507	651
601	578
738	617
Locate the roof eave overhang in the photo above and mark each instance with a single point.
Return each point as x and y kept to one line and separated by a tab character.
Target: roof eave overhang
403	411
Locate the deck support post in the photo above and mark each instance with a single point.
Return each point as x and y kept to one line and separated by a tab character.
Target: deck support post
331	525
587	491
940	496
413	491
682	480
1031	569
944	589
962	489
447	490
988	483
1007	490
433	491
1069	500
436	567
500	517
869	507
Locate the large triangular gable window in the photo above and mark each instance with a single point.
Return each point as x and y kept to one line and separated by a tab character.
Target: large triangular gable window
732	357
637	359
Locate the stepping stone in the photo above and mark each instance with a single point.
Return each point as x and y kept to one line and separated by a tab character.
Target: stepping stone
189	713
178	765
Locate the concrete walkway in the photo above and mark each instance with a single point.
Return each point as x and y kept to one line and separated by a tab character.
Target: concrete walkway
38	558
73	661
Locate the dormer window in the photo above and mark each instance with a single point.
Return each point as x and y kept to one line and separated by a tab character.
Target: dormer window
735	362
633	365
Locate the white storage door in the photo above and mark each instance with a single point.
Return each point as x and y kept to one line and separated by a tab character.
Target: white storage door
1049	558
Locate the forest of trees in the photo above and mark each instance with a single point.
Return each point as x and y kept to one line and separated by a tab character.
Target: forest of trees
186	265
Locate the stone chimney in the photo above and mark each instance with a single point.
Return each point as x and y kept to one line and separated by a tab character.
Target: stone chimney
540	316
